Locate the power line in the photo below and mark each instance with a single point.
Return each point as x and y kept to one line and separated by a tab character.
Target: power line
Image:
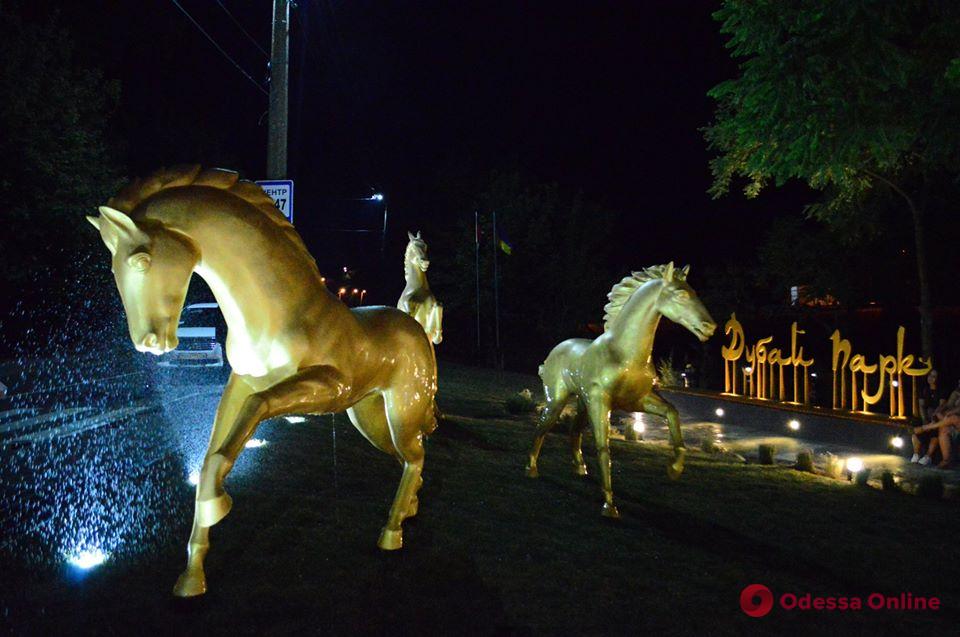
244	31
219	48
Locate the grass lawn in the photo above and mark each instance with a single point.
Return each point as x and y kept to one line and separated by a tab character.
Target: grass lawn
493	552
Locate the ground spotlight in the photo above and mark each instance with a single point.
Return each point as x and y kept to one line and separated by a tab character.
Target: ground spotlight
897	442
638	427
86	559
719	412
854	465
794	425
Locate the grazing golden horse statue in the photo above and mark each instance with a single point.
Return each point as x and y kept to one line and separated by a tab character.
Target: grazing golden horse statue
416	299
293	347
614	370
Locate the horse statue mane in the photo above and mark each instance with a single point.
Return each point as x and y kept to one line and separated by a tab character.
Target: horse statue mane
139	190
621	292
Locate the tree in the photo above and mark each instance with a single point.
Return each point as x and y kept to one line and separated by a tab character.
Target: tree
551	286
55	159
854	98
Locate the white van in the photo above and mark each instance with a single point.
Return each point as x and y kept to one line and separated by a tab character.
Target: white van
197	333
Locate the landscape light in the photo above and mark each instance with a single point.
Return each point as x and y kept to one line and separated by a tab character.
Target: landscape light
638	427
748	369
813	374
895	383
194	477
295	419
794	424
377	197
719	412
87	558
255	443
854	465
897	442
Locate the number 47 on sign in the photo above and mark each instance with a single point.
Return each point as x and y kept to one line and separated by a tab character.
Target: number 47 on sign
281	191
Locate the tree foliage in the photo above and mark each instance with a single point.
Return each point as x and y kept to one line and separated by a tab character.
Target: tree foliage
55	159
551	286
851	97
838	94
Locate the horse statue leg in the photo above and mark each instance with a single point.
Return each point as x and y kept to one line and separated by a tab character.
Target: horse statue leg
193	581
316	389
436	324
654	403
406	421
598	410
576	439
548	419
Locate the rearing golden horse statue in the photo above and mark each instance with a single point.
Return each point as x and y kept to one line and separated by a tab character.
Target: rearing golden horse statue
614	370
293	347
416	299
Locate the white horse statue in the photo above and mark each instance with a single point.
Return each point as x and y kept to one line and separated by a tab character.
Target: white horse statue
417	300
614	370
294	348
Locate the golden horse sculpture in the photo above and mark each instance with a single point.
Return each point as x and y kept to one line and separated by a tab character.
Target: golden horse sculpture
416	299
293	347
614	370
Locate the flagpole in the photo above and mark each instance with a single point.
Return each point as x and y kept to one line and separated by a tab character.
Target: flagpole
476	237
496	290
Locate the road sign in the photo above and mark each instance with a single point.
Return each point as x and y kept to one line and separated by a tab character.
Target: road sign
281	191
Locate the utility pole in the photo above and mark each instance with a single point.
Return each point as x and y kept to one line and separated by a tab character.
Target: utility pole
279	83
496	291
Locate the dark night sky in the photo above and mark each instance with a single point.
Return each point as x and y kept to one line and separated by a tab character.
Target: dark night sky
606	98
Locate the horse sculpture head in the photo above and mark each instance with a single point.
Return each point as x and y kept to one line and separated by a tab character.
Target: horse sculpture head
679	303
152	266
416	254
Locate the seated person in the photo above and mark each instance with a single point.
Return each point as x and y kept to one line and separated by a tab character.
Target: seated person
930	404
945	426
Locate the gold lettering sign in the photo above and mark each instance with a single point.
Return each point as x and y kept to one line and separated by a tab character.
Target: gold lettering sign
762	377
890	370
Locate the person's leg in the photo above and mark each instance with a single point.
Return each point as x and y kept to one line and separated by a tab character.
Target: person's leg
932	447
945	446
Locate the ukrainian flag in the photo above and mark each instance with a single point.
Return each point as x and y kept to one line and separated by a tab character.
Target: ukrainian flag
505	244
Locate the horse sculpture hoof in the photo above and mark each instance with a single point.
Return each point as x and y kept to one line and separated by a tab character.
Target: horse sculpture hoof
390	540
211	511
610	511
190	584
676	468
532	471
580	469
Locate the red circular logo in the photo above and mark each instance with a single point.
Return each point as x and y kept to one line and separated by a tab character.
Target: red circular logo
756	600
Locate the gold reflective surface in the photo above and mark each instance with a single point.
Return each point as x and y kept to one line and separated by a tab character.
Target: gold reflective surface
294	347
614	371
416	299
